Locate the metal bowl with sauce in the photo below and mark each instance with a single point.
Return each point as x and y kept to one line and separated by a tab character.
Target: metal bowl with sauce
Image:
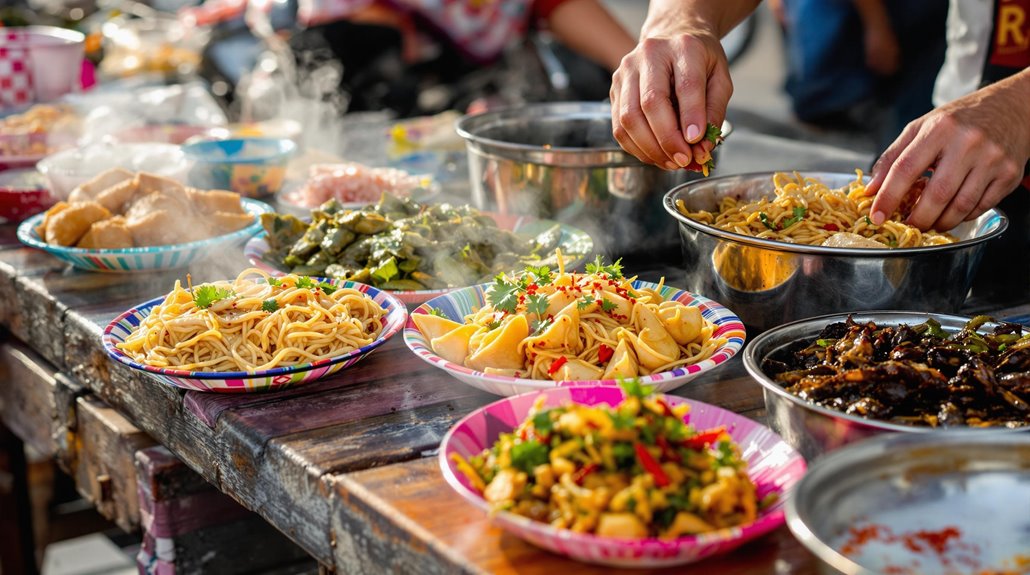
769	283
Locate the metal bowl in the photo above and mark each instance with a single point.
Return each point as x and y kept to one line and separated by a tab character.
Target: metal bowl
769	283
813	429
928	504
560	161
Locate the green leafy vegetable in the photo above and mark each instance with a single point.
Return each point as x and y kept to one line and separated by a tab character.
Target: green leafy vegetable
269	305
537	304
504	294
764	218
542	422
274	282
634	388
541	273
386	271
585	302
304	282
608	305
327	287
724	455
614	270
868	222
437	312
207	294
799	214
528	454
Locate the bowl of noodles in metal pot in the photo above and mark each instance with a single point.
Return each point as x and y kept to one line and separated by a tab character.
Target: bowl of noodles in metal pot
777	247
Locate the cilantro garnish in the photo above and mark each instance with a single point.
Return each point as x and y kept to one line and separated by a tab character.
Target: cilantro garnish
724	455
327	287
437	312
868	222
799	214
542	422
608	305
537	326
269	305
713	133
585	302
527	455
621	420
537	304
764	218
541	273
598	267
304	282
493	325
504	294
206	295
633	388
274	282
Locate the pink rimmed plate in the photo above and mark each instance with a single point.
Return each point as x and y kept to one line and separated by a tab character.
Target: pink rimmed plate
457	304
773	465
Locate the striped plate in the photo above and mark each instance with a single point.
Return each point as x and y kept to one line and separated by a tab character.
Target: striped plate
773	466
459	303
248	381
127	260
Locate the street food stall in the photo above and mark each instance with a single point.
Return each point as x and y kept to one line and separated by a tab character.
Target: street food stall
489	343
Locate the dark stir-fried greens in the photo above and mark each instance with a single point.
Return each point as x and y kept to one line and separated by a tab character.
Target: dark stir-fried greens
398	244
917	375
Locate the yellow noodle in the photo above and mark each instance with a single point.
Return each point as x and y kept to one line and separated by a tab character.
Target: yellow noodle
847	209
238	334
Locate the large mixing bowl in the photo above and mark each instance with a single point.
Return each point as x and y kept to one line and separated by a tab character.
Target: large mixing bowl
559	161
769	283
812	429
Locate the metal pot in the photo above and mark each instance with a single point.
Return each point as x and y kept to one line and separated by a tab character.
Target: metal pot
560	161
814	430
768	283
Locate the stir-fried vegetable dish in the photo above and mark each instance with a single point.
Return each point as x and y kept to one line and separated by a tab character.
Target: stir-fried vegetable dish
398	244
634	470
918	375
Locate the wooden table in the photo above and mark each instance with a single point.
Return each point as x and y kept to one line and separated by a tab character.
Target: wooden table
346	467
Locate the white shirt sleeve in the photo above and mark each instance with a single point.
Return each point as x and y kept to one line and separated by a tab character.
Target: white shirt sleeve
969	33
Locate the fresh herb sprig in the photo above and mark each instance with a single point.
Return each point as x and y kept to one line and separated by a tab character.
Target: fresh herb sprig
206	295
613	270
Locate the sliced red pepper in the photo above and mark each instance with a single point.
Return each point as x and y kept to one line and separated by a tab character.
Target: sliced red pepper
666	410
604	353
582	473
831	228
557	365
650	465
703	438
667	451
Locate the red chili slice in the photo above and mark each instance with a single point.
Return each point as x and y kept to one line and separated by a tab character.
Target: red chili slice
650	465
582	473
604	353
831	228
557	365
703	438
666	410
667	451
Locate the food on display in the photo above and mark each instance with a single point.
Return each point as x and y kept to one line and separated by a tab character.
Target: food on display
122	209
254	323
806	211
398	244
30	133
632	470
351	182
706	163
916	375
553	324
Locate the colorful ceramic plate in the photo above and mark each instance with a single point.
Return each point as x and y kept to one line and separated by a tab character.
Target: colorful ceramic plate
575	245
144	258
240	382
773	465
459	303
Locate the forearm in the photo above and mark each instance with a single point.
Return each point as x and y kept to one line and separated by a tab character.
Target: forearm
872	13
668	17
588	28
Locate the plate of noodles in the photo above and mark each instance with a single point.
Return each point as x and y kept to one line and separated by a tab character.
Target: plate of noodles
546	327
621	477
253	333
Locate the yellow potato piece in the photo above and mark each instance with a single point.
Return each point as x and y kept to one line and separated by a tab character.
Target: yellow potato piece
502	351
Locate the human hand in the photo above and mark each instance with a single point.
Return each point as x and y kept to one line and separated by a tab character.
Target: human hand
666	91
977	147
882	53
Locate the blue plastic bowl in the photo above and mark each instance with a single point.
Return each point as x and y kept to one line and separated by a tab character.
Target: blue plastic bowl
251	167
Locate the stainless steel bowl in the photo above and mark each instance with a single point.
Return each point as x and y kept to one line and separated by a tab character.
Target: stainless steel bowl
768	283
559	161
878	504
812	429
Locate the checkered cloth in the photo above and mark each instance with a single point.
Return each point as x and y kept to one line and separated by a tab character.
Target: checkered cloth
15	72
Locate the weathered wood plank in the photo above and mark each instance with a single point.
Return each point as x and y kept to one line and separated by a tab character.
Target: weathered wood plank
105	473
394	517
66	393
27	395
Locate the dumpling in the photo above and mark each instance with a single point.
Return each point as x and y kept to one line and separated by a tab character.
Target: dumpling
577	370
623	307
107	234
623	363
653	344
557	301
682	322
433	326
454	345
563	333
71	223
502	350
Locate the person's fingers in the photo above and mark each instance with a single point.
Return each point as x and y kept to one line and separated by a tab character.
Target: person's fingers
690	85
886	159
656	100
633	126
910	164
996	192
953	192
720	89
